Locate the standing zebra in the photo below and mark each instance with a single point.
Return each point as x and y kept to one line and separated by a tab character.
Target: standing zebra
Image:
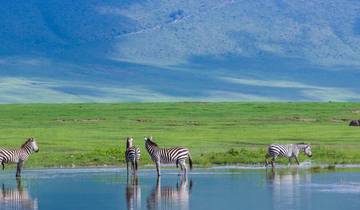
286	150
18	156
176	155
132	155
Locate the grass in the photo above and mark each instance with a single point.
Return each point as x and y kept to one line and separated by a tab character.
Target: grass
216	133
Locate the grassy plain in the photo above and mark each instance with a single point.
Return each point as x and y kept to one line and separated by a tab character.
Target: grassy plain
216	133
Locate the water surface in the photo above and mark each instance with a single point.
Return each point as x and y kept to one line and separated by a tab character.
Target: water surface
92	189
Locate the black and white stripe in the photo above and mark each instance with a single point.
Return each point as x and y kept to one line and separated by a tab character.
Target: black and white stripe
286	150
18	156
177	155
132	155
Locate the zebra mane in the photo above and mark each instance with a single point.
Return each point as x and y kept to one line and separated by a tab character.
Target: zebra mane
303	145
151	142
27	142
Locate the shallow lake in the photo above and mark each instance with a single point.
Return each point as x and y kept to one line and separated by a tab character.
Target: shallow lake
91	189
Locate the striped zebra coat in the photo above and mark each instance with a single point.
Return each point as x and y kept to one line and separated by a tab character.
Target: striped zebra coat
177	155
132	155
18	156
286	150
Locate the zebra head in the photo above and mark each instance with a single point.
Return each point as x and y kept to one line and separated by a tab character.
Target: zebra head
307	150
31	143
148	140
149	143
129	141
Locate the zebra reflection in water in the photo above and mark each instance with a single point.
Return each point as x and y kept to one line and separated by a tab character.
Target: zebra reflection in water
133	193
285	189
170	197
17	198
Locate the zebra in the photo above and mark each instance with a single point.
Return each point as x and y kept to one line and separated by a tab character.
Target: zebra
286	150
132	155
176	155
18	156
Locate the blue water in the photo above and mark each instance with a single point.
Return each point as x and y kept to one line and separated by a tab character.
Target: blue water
92	189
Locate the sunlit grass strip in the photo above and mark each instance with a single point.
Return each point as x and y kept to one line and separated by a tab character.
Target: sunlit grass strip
216	133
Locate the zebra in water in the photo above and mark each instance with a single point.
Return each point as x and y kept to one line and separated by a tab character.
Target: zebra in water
18	156
286	150
176	155
132	155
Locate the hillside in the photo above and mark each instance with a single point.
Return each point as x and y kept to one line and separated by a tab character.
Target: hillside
207	50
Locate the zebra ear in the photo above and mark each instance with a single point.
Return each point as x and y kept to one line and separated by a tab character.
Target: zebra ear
151	138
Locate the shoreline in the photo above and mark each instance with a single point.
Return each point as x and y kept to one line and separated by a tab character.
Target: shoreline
214	167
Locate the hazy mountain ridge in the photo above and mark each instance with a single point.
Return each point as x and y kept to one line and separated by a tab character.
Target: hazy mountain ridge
179	50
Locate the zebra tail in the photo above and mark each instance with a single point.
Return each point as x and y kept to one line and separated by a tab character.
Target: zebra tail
190	161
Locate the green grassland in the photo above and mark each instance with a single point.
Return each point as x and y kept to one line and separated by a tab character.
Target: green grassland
216	133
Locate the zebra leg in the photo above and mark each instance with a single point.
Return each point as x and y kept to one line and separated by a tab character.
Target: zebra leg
180	169
3	165
289	162
19	167
297	161
266	159
158	168
133	166
183	163
127	167
136	165
273	163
